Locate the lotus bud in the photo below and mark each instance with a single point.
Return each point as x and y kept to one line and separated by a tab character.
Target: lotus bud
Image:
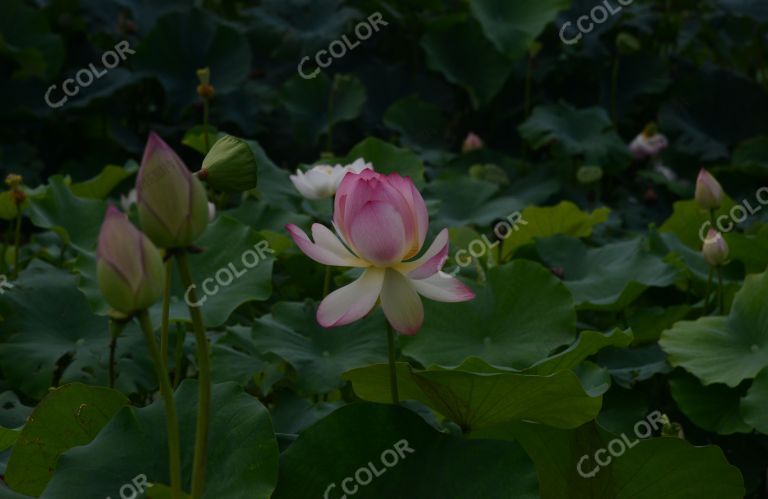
173	207
128	266
709	193
715	249
205	89
627	44
230	166
471	143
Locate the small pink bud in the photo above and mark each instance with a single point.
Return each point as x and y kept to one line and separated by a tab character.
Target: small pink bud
129	268
709	193
715	249
472	143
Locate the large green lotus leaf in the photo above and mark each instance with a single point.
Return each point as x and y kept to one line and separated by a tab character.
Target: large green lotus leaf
29	40
754	405
480	400
76	220
689	222
316	105
147	12
648	323
429	464
750	249
714	407
263	216
294	27
67	417
48	326
513	26
665	467
102	184
465	200
517	319
180	43
421	125
583	132
626	269
544	221
387	158
589	343
629	366
275	186
319	355
724	349
234	357
752	152
229	248
242	450
458	50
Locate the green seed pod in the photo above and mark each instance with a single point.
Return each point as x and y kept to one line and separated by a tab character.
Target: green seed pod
230	166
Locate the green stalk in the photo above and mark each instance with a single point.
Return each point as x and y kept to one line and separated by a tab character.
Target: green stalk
115	328
174	452
709	288
17	243
614	86
392	365
721	292
204	382
206	140
177	373
327	281
166	310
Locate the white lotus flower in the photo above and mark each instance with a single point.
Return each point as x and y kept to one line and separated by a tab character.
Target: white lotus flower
321	181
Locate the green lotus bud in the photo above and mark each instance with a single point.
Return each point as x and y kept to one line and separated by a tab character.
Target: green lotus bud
128	266
230	166
627	44
173	207
589	174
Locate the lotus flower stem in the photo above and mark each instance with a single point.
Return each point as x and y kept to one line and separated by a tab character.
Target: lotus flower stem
115	328
206	140
17	242
204	382
720	290
166	310
174	451
614	86
709	288
177	372
392	365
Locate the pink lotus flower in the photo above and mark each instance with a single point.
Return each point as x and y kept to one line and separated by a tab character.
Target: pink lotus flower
381	222
648	144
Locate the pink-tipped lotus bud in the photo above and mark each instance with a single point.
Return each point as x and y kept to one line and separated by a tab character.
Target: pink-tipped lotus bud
129	267
472	143
715	249
709	193
173	206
